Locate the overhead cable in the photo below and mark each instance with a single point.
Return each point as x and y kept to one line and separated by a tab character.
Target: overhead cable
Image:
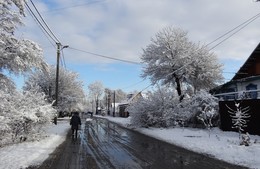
107	57
233	29
74	6
57	40
39	23
134	84
237	28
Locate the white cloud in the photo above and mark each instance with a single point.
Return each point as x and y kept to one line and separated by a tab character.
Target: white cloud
121	28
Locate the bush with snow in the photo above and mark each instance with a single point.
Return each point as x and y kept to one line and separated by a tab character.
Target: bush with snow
151	111
161	109
22	116
202	108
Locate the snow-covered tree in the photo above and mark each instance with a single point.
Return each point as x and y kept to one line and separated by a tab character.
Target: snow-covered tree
21	114
205	72
96	90
16	55
239	117
120	96
174	60
71	93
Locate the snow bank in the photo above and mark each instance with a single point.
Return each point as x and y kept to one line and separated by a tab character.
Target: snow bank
32	153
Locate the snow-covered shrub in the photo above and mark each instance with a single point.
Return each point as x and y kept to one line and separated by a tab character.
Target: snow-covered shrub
245	139
161	109
206	116
200	110
152	110
22	115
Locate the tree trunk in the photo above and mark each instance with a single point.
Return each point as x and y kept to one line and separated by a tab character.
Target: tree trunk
96	106
178	88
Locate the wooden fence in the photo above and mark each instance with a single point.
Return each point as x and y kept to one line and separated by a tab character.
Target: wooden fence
253	123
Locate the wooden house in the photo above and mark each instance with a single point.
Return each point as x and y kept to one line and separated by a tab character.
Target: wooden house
246	82
244	88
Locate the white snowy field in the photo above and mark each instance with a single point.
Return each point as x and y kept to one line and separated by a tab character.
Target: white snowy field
221	145
22	155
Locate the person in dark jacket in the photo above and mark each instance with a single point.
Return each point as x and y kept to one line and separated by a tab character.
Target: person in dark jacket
75	121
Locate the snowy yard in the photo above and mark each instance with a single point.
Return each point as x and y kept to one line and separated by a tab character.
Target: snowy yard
222	145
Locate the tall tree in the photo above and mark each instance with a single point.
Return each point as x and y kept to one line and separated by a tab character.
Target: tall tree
174	60
71	92
16	55
96	90
120	96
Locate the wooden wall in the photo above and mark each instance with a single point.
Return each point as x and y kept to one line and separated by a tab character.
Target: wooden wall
253	124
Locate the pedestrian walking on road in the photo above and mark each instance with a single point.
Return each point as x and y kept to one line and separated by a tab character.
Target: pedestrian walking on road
75	123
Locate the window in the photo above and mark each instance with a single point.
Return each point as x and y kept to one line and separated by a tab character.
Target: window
230	96
253	94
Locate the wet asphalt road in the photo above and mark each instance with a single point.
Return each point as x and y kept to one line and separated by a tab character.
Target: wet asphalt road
104	145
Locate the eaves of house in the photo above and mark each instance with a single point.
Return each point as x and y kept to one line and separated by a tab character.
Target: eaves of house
251	67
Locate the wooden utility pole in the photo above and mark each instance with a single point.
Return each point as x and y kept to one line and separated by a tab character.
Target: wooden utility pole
114	104
108	103
59	48
57	74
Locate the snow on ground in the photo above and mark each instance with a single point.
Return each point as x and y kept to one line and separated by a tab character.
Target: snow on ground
31	153
222	145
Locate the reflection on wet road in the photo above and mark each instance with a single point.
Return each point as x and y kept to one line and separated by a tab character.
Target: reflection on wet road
106	145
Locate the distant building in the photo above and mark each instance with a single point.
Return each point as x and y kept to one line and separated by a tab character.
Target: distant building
130	99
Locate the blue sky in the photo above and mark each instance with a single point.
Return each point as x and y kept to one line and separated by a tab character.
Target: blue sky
122	28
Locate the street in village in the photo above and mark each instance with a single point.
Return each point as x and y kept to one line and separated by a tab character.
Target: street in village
102	145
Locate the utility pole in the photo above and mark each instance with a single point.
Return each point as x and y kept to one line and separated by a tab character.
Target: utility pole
57	74
59	48
114	103
108	104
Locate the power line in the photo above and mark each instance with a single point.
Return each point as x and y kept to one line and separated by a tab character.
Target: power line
107	57
57	40
74	6
232	29
39	23
244	24
134	84
45	29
